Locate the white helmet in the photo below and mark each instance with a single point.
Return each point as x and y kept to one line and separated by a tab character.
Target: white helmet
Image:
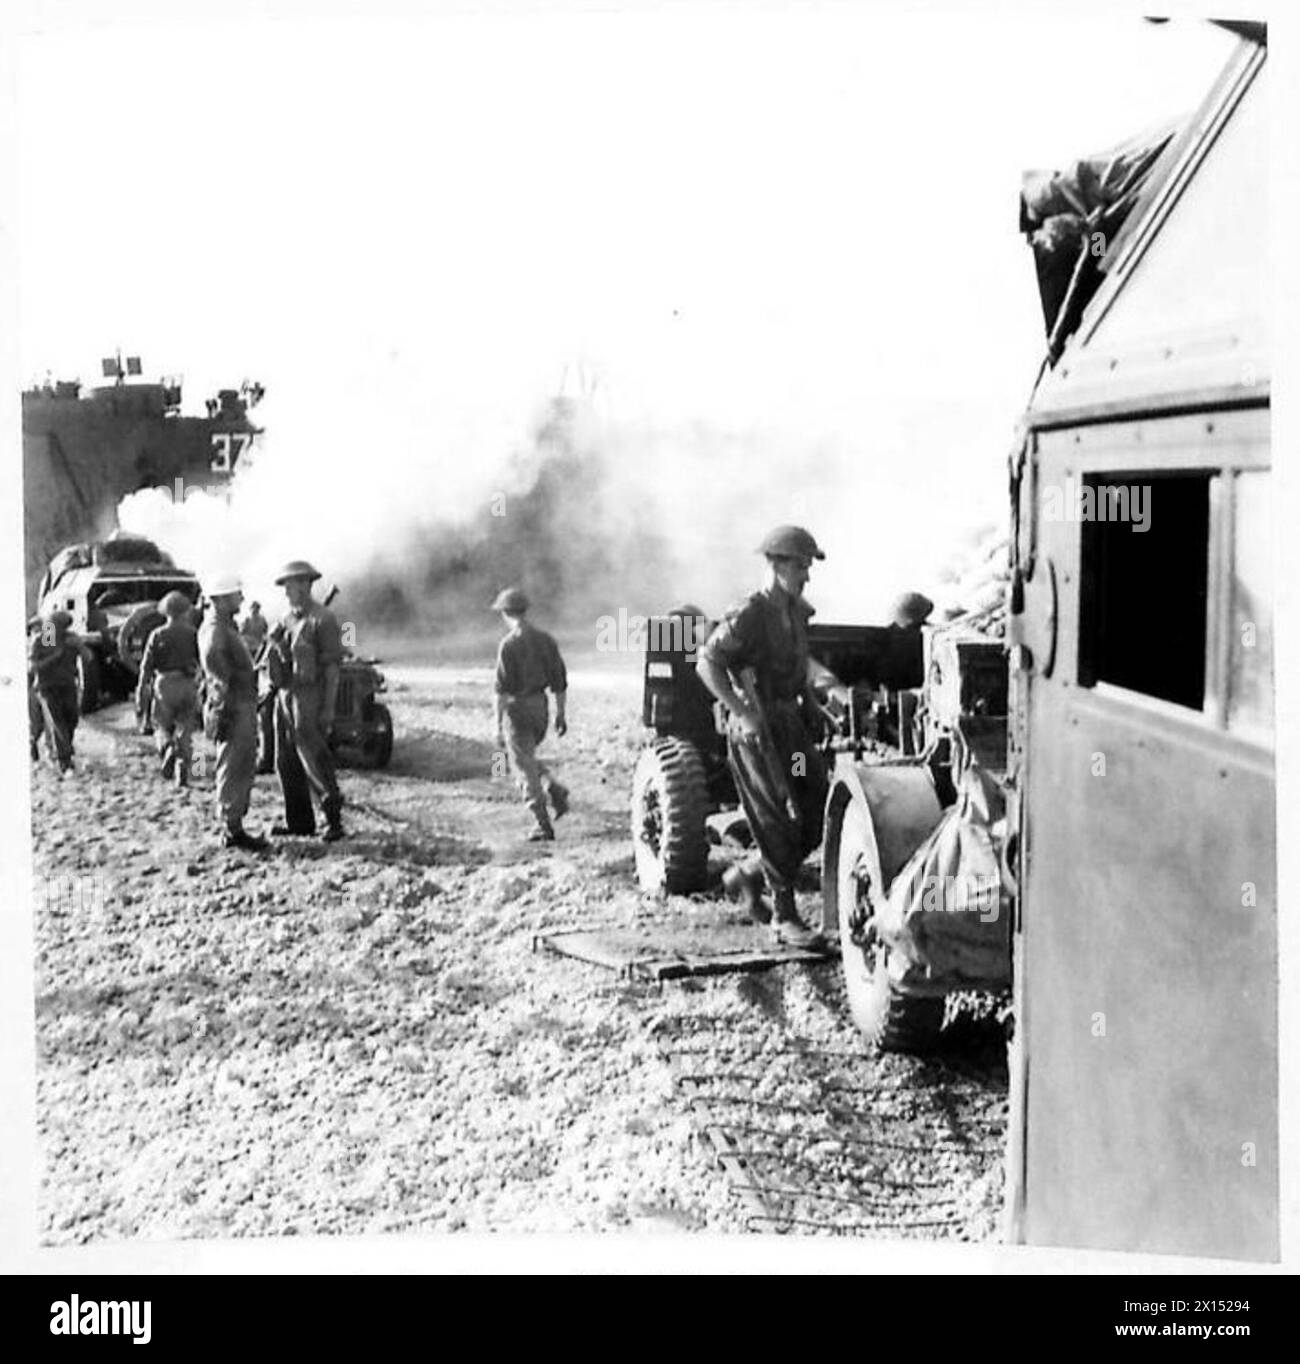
222	585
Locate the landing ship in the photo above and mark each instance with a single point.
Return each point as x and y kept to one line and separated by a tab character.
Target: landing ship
83	452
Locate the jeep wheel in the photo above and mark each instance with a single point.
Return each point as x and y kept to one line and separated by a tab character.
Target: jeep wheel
670	801
377	747
87	684
887	1017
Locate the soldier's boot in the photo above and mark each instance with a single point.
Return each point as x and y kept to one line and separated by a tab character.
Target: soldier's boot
745	885
789	929
333	811
168	762
543	833
36	751
246	842
182	774
559	799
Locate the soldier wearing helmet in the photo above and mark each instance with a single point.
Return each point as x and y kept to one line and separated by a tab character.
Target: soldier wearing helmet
168	682
53	652
306	650
767	635
230	710
528	664
910	611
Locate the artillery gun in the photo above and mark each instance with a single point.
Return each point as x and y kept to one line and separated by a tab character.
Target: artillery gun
904	715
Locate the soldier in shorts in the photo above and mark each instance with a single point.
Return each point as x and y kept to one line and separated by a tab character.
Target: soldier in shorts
169	682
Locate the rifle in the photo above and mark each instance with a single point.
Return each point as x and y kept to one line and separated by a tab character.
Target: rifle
767	750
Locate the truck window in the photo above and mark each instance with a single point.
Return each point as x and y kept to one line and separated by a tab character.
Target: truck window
1143	598
1250	676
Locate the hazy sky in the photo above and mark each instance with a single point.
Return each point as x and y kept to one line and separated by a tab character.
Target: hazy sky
799	224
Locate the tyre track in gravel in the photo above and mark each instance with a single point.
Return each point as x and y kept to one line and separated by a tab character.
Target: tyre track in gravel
360	1037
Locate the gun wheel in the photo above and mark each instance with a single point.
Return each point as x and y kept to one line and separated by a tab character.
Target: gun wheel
670	802
889	1018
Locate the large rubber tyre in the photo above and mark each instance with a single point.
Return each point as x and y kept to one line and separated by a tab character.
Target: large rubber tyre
887	1017
378	746
88	684
670	802
135	631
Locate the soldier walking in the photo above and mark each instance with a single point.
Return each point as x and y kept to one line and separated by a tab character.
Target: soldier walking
306	650
230	710
52	655
168	681
528	663
771	751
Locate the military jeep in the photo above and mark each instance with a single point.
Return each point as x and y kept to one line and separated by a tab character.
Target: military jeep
362	733
111	589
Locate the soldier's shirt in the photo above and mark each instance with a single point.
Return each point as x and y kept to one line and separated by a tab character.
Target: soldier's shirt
528	661
313	642
768	632
171	648
227	661
54	666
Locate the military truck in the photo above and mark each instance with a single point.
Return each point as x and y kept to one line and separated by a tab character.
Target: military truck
1144	1076
111	589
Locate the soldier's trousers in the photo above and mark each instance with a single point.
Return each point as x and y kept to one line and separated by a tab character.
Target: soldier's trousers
59	716
175	713
35	720
303	760
783	842
523	723
237	764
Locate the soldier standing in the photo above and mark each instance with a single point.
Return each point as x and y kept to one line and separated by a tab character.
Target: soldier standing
306	649
230	710
52	655
529	662
770	750
169	680
253	628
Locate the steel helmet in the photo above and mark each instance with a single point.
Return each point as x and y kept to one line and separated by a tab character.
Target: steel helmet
790	542
174	605
512	599
222	585
912	608
296	568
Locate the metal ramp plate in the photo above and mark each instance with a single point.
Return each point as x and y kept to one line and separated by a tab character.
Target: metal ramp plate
669	950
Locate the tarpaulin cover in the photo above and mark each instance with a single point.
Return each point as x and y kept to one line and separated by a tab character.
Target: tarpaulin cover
1072	216
948	912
